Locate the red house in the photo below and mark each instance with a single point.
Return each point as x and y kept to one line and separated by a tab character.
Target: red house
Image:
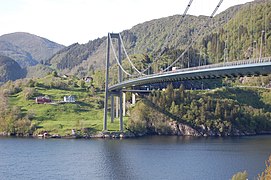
42	100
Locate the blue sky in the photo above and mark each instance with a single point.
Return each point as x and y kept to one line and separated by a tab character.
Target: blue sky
70	21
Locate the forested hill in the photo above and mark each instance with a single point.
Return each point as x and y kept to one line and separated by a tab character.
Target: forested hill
10	69
27	49
170	35
148	37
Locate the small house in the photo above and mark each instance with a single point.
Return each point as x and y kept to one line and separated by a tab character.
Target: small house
43	100
65	76
69	98
88	79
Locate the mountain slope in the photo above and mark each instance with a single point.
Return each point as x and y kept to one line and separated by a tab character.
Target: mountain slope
27	49
10	69
147	38
169	36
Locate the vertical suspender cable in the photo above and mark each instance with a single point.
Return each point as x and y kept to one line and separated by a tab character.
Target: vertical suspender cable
115	55
251	29
227	40
226	50
233	38
194	40
265	27
240	23
217	46
162	50
133	66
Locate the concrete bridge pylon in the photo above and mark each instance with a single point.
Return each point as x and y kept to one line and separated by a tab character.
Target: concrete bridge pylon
120	79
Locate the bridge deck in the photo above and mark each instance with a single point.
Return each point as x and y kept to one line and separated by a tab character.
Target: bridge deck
229	69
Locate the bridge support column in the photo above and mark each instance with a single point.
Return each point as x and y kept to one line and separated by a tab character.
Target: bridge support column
133	98
117	106
121	110
123	103
112	108
106	84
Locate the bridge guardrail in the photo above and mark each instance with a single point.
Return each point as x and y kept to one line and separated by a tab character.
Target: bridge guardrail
227	64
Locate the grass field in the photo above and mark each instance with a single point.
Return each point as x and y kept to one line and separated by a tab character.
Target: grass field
61	118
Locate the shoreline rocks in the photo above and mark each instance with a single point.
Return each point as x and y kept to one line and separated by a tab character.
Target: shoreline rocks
178	130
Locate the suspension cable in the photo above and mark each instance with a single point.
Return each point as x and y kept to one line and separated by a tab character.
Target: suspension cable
115	55
128	55
226	49
194	40
265	28
187	8
251	29
162	49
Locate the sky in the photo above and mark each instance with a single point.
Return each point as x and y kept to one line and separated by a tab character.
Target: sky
70	21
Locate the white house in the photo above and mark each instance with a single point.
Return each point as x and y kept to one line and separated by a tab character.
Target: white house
69	98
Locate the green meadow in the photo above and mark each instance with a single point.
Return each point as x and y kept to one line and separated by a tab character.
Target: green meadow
86	114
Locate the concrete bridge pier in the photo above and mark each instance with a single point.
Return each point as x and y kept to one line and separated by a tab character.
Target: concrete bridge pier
112	108
124	104
133	98
117	107
121	110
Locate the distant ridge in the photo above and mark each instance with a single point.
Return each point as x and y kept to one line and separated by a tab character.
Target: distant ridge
144	38
10	69
27	49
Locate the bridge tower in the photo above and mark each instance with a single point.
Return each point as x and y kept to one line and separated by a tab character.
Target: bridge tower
119	93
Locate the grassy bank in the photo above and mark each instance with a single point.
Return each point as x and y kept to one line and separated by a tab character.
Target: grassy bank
57	117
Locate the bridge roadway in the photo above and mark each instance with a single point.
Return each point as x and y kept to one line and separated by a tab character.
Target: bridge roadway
241	68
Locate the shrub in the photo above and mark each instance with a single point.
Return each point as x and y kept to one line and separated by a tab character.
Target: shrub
266	174
240	176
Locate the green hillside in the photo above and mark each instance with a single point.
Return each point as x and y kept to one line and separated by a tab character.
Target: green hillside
146	38
20	114
220	112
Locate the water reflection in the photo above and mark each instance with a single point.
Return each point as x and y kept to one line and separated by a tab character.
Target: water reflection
115	164
142	158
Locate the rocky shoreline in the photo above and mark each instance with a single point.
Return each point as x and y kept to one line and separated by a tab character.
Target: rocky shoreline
180	130
173	128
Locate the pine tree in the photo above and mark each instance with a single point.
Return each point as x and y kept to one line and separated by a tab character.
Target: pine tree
182	93
172	107
266	174
218	109
169	95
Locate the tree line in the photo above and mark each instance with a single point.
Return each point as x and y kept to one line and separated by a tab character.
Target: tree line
214	112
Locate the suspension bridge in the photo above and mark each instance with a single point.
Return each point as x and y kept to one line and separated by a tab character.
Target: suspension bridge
253	66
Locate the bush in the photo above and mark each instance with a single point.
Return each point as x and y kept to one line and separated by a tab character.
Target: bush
137	123
29	93
240	176
266	174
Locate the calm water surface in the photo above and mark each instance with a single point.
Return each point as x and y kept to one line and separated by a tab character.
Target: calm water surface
143	158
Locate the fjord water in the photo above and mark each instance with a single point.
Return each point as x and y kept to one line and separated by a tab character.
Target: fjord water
141	158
